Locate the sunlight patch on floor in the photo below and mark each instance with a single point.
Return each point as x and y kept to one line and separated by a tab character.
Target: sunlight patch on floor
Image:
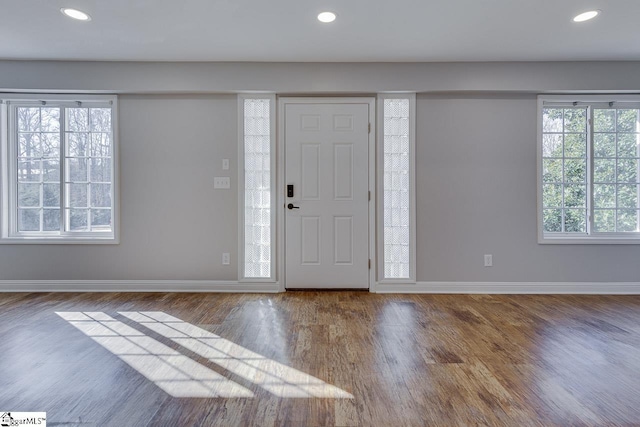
277	378
176	374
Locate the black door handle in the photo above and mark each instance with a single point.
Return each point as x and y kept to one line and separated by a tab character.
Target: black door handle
290	206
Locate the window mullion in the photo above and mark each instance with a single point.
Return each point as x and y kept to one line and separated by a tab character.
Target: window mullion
590	171
41	178
564	175
89	181
63	167
41	199
615	169
13	155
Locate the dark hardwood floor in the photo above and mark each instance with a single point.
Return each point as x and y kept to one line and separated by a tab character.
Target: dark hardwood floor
321	359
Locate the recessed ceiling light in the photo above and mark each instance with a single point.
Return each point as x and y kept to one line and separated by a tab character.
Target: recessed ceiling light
75	14
327	17
586	16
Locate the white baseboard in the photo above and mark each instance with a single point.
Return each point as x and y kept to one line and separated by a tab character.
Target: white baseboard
585	288
136	286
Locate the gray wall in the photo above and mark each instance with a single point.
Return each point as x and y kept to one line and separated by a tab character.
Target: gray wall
476	167
174	225
476	194
230	77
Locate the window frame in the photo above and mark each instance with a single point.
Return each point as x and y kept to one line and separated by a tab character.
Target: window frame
411	97
589	237
9	233
241	187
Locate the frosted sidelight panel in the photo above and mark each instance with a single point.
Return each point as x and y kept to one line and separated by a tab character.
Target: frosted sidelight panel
257	188
396	189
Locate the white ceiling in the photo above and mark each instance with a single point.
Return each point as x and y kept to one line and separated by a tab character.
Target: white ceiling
287	30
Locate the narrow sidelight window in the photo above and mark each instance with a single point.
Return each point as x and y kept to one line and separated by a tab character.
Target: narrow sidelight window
257	176
398	185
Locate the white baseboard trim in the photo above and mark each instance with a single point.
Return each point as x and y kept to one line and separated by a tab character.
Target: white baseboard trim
136	286
578	288
584	288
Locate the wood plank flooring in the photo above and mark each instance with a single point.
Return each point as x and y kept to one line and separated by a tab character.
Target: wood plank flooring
321	359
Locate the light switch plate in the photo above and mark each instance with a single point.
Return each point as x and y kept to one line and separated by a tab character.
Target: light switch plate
222	182
225	164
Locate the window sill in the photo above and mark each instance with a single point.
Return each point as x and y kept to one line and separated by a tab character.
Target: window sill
589	240
402	281
110	240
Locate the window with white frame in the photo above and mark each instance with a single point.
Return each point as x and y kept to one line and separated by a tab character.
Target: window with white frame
398	146
589	181
257	175
58	167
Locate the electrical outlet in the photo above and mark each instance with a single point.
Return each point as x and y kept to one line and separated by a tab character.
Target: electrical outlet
226	258
225	164
222	182
488	260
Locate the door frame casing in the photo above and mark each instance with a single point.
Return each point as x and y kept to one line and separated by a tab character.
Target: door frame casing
280	193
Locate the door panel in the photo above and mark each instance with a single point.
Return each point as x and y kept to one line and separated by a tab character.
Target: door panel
310	164
343	240
343	172
310	242
327	161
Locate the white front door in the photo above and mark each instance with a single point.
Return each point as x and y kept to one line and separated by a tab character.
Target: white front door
326	218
